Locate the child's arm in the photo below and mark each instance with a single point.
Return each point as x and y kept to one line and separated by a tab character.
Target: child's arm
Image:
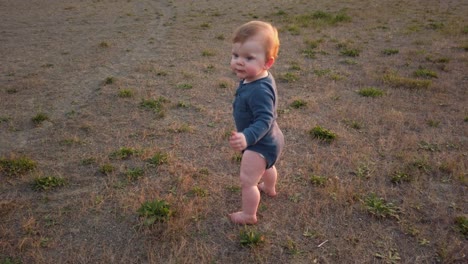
262	104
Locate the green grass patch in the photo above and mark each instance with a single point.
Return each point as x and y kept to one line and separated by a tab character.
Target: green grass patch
251	238
237	158
321	18
295	66
159	158
157	105
4	119
299	103
47	183
323	134
322	72
353	124
183	128
123	153
364	170
389	52
433	123
294	29
104	44
205	25
184	86
154	211
208	53
461	225
39	118
199	192
425	73
400	177
370	92
350	52
377	206
318	180
17	166
106	169
288	77
395	80
125	93
109	80
309	53
134	174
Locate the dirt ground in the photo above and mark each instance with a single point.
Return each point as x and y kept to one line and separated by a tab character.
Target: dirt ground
89	65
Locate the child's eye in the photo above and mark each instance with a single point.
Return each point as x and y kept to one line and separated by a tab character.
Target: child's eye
235	55
250	58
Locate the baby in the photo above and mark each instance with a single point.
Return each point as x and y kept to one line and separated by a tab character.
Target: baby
254	50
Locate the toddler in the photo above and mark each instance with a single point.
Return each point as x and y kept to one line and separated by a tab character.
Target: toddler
254	50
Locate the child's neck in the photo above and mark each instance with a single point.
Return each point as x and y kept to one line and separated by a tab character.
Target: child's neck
259	76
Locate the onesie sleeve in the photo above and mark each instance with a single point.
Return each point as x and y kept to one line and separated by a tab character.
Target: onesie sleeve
262	104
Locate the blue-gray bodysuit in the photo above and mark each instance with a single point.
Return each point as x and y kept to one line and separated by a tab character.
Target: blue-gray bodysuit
255	113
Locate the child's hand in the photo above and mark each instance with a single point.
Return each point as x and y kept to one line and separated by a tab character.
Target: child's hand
237	141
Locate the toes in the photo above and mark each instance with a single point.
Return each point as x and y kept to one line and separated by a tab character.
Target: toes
242	219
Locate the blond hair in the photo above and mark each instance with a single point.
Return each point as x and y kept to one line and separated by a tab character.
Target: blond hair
252	28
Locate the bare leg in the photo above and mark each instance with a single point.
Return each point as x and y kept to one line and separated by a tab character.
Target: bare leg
252	169
268	185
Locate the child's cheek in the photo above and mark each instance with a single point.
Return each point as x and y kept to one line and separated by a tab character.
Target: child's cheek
250	70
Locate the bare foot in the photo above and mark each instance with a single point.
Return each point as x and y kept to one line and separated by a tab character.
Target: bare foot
243	219
262	188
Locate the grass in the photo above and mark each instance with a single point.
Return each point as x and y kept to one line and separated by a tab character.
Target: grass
154	211
350	52
157	105
251	238
396	80
370	92
123	153
40	118
321	18
208	53
106	168
425	73
104	44
390	52
461	225
134	174
159	158
378	207
116	152
323	134
299	103
354	124
109	80
364	170
400	177
47	183
289	77
184	86
4	119
199	192
125	93
17	166
433	123
318	180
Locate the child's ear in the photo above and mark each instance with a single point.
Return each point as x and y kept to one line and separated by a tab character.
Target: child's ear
269	63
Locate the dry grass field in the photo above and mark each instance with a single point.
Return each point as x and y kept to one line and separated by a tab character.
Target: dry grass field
114	117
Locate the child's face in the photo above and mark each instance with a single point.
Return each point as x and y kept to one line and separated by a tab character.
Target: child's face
248	60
